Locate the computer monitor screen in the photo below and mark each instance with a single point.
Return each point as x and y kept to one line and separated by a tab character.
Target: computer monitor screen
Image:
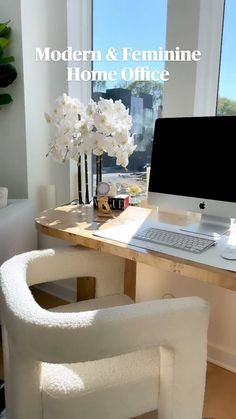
194	165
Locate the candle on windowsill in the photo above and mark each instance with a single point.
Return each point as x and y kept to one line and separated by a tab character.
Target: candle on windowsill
113	190
148	169
3	197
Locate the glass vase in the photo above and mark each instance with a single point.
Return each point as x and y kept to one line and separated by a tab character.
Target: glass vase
83	187
98	171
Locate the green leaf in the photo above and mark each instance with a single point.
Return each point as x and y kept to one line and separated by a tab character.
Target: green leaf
1	52
3	26
6	33
5	99
4	42
6	60
7	74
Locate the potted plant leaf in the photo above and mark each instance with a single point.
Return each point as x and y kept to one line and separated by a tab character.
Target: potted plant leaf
7	71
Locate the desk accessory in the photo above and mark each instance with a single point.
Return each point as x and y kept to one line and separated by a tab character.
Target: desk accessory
104	210
118	202
229	252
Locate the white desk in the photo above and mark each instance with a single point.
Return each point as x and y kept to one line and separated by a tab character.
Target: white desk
211	257
77	226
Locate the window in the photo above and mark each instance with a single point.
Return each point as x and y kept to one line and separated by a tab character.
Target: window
130	24
227	84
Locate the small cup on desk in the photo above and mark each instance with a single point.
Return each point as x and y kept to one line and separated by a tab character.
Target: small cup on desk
3	197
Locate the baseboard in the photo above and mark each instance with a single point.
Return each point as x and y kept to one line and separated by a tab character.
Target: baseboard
221	357
62	291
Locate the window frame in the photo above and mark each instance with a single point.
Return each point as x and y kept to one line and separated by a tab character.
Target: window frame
206	22
79	35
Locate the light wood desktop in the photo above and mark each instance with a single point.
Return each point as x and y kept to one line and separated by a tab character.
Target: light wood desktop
76	225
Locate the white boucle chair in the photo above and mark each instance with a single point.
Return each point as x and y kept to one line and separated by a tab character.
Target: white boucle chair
87	361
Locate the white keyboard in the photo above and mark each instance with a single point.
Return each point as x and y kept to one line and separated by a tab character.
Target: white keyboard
175	240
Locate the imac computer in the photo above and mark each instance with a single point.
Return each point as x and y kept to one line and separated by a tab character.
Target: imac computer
193	168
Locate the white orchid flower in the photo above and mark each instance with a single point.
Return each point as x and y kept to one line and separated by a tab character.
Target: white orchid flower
97	128
122	158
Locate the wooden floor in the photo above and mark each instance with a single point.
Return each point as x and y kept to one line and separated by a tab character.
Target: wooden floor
220	396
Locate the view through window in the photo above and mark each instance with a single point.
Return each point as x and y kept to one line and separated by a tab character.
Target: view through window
129	24
227	84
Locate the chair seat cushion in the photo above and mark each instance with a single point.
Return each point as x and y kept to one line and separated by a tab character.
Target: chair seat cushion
95	304
112	388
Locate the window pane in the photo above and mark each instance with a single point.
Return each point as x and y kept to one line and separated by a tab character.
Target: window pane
227	86
121	24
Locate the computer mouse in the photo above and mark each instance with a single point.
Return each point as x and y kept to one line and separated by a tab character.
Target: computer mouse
229	252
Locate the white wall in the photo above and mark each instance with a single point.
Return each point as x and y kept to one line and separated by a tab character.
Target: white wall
13	168
153	283
79	29
44	24
24	133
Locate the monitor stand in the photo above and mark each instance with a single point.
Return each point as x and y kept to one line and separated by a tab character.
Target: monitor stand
209	225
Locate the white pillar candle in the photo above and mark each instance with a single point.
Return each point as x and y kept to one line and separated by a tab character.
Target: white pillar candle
147	177
3	197
113	190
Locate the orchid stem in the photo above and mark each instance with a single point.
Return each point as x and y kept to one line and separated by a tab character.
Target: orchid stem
80	198
86	179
